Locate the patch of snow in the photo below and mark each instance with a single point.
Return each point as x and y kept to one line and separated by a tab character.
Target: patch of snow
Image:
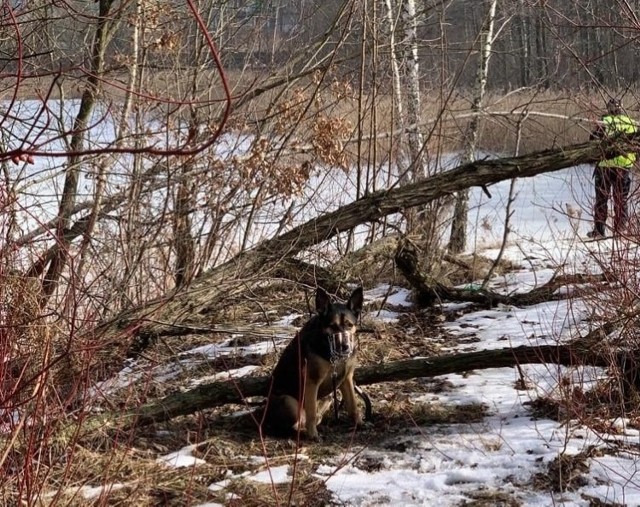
224	375
286	320
273	475
181	458
90	492
395	296
384	316
544	323
215	350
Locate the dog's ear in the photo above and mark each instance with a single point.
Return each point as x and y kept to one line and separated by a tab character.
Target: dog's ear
323	302
355	301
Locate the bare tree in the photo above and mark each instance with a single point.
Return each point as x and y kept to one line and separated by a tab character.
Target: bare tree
58	258
458	238
412	85
152	203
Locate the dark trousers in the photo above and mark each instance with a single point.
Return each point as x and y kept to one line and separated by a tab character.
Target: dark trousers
608	181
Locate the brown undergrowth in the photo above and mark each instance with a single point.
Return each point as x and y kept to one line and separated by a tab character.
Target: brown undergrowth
327	113
226	440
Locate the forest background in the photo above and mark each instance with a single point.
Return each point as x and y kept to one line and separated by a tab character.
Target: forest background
159	161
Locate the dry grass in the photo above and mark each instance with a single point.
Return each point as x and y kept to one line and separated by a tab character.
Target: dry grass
566	472
228	443
490	498
552	118
131	476
231	450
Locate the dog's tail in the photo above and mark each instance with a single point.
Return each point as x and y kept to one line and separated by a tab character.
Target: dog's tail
368	410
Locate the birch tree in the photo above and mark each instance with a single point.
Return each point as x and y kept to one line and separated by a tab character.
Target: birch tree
389	29
412	85
457	240
405	74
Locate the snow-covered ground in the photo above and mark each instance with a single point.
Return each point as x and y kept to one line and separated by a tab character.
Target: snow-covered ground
453	464
443	465
447	465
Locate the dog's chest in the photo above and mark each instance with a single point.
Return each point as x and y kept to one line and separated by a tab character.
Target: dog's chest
334	374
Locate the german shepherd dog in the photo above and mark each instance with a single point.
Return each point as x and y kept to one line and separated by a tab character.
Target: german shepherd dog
319	359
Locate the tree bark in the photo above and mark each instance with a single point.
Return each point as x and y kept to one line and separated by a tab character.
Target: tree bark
412	85
458	238
235	276
72	173
400	122
430	292
582	351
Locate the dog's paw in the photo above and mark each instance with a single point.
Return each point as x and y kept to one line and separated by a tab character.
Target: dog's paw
366	425
312	435
362	424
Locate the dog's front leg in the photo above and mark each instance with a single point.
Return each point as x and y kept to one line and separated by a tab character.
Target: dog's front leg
349	396
310	408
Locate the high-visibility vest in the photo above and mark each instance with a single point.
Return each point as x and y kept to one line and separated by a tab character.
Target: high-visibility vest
619	124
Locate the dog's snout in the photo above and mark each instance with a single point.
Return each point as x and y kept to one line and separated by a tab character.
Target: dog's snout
343	342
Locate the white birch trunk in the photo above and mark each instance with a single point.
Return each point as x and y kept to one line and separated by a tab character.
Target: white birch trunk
458	239
389	29
412	85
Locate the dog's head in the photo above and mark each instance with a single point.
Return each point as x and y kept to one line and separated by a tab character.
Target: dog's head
338	322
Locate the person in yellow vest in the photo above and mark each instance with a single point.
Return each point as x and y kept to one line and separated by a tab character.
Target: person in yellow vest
612	177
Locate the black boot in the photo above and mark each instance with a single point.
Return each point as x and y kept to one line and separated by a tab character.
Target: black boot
597	232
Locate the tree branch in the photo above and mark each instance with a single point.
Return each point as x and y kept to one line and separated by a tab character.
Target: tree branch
579	352
431	291
233	277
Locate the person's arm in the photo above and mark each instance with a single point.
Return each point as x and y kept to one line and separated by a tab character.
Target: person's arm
598	133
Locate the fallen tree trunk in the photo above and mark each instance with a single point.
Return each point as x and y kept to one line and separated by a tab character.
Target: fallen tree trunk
582	351
430	291
232	278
